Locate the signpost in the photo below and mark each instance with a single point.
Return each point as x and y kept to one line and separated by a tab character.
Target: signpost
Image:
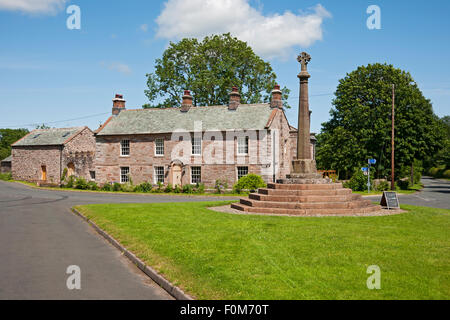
390	200
367	170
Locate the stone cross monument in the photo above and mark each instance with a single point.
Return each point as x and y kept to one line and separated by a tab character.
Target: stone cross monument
304	166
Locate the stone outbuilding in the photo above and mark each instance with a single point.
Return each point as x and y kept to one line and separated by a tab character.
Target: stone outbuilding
195	144
5	165
44	155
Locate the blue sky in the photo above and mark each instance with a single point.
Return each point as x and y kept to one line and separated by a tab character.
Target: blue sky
49	73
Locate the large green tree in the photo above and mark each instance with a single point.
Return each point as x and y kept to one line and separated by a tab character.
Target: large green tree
360	124
8	137
210	68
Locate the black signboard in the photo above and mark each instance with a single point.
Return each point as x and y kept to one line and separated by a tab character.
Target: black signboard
390	200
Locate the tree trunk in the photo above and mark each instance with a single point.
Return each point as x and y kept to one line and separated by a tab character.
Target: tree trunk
412	174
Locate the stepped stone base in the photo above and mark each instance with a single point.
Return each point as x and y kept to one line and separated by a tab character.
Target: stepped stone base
305	198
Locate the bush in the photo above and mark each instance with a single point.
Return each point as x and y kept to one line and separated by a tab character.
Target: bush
221	186
446	174
250	182
177	189
107	187
404	184
200	188
5	176
358	181
433	171
143	187
92	185
116	187
382	186
64	175
168	188
127	187
80	183
188	188
70	182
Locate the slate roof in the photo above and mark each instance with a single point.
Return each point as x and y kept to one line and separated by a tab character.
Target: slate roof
7	159
156	120
48	137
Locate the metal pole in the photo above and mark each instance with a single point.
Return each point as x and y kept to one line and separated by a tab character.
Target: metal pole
368	179
392	141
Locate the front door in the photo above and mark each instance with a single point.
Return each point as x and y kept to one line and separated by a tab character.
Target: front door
44	173
176	175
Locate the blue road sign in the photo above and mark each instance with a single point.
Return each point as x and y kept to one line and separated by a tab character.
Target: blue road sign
372	161
365	169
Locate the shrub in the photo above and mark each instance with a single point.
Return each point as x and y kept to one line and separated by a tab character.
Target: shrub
249	182
446	174
358	181
221	186
64	175
404	184
382	186
143	187
177	189
116	187
107	187
188	188
70	182
92	185
127	187
168	188
80	183
5	176
433	171
200	188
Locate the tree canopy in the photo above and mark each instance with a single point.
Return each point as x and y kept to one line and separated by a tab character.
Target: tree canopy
8	137
360	124
210	69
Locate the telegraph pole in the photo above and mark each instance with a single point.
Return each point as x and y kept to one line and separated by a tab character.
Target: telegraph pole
392	141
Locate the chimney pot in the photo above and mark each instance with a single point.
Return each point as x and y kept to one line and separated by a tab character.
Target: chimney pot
187	101
277	100
235	99
118	104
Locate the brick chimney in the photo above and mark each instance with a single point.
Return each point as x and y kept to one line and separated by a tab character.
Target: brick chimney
235	99
276	101
187	101
118	104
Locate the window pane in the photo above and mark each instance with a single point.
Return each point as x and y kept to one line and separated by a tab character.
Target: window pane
125	147
242	171
196	145
196	174
124	174
159	174
159	147
243	145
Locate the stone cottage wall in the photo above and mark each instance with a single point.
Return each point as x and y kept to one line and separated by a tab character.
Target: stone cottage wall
28	161
81	152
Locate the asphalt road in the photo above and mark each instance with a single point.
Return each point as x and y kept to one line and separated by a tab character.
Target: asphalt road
435	194
40	238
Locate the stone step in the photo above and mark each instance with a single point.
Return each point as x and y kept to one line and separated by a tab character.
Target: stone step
245	208
297	199
306	205
322	186
285	193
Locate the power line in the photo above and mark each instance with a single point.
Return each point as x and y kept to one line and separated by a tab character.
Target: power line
58	121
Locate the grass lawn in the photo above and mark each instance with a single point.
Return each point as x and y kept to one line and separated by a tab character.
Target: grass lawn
215	255
413	189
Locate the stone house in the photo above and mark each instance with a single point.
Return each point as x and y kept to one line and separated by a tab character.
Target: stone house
194	144
5	165
44	154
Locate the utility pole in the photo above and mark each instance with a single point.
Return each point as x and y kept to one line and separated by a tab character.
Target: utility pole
392	142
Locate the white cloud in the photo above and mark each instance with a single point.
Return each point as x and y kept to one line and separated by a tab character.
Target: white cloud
269	35
144	27
33	6
117	66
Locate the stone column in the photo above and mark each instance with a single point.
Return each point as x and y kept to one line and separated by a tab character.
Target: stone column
304	166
